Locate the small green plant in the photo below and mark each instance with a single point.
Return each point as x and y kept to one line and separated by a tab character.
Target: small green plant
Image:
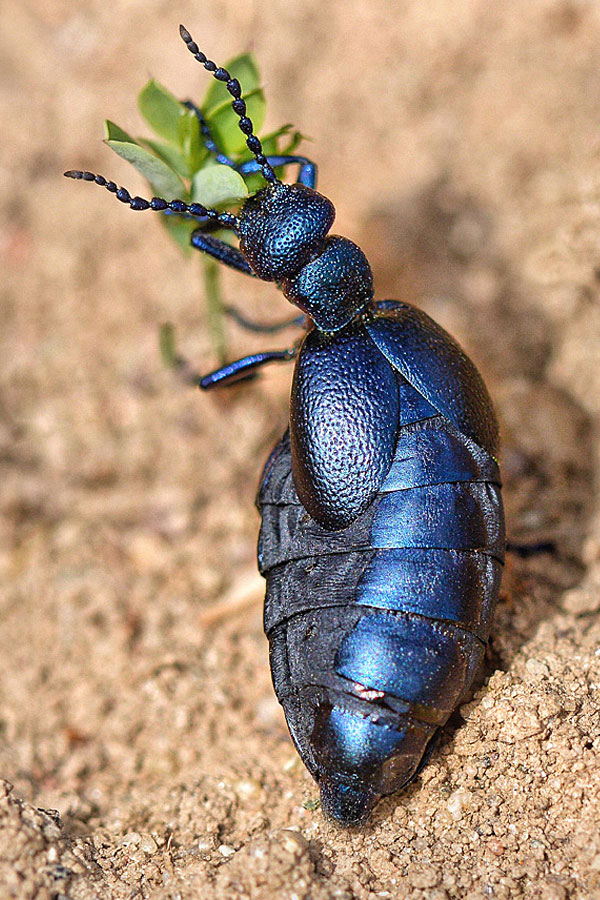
177	164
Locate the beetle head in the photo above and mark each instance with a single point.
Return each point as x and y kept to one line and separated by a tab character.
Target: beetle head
281	227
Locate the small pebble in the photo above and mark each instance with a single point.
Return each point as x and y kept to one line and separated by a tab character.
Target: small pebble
292	841
458	801
132	838
537	668
148	844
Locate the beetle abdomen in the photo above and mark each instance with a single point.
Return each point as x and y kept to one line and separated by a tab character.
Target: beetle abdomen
377	631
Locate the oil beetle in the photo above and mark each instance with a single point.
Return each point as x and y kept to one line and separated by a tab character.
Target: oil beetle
382	537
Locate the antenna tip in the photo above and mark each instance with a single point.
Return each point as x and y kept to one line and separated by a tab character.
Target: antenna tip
81	176
185	35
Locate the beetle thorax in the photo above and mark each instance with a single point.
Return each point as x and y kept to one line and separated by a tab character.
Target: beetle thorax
284	236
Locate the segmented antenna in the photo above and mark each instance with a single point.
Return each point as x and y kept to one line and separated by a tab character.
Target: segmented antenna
226	220
238	104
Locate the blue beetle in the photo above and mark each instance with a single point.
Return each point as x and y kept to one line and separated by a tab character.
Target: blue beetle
382	537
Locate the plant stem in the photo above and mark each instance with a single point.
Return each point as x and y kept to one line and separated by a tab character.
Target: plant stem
215	308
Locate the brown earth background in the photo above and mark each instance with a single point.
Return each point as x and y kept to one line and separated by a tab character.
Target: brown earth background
460	142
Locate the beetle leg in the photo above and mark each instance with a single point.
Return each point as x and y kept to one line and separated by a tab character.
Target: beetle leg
307	173
261	327
234	258
221	251
239	370
243	368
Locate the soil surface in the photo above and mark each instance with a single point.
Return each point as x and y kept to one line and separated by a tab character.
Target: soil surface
144	753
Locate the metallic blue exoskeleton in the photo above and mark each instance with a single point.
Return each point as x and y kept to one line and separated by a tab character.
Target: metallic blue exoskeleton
382	537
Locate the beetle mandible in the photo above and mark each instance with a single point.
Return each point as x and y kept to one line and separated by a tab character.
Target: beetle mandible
382	537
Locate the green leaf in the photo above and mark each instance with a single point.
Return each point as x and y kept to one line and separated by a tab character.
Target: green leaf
254	182
162	111
189	155
190	141
218	185
164	180
242	67
224	125
173	157
113	132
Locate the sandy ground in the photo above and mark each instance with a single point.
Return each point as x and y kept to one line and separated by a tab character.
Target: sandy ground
143	750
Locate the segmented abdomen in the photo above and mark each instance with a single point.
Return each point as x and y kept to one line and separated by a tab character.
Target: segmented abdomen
377	631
